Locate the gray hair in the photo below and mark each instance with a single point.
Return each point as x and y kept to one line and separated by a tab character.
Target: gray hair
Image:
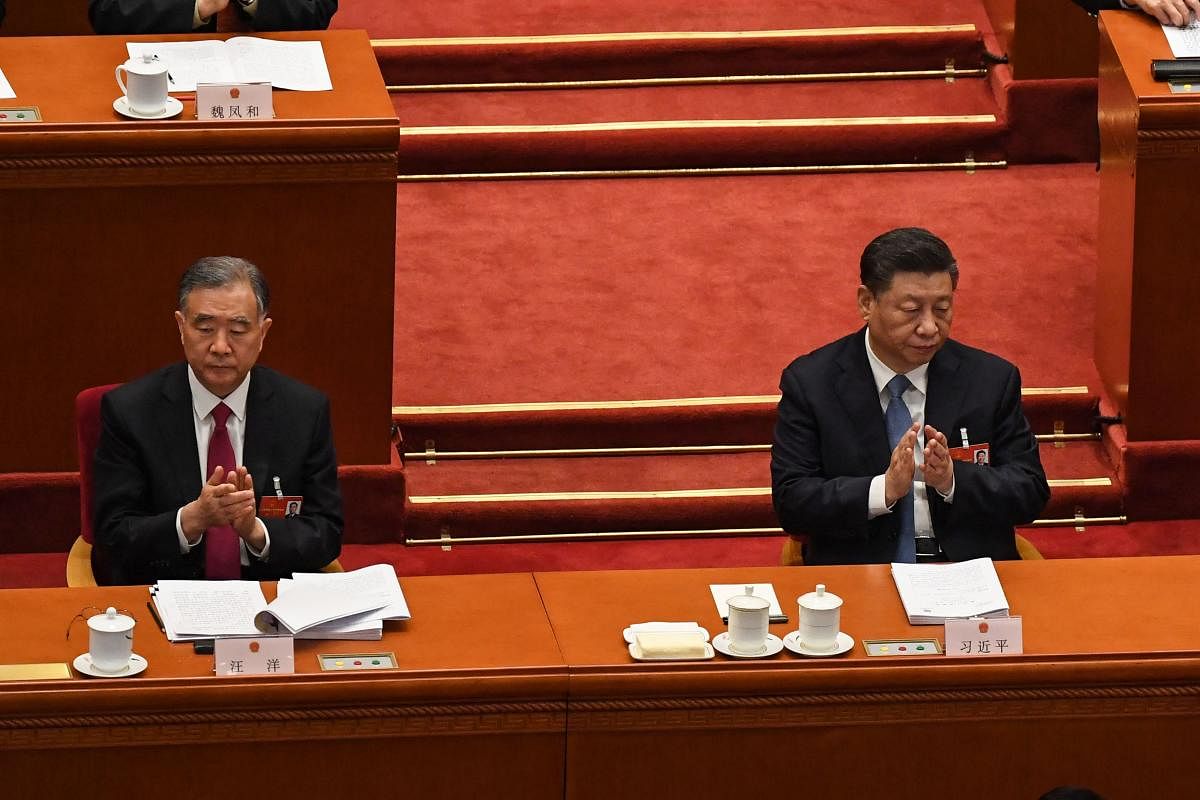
213	272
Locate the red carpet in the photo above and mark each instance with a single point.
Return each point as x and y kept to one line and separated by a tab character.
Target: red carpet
487	18
630	289
601	57
914	97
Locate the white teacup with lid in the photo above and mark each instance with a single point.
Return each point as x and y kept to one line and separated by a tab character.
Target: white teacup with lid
110	640
146	92
749	618
820	619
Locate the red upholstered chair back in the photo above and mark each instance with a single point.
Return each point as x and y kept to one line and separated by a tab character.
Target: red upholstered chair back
87	436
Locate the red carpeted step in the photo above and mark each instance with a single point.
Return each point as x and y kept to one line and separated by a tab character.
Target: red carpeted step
384	18
667	57
1151	538
627	289
686	144
691	422
630	290
539	497
866	98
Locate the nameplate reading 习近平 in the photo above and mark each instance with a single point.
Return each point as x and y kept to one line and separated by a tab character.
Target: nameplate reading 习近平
995	636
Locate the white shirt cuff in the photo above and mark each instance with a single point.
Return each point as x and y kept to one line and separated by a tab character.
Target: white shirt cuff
185	546
948	496
248	551
877	499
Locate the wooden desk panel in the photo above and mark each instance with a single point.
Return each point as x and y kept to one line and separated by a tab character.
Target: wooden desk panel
480	683
46	18
100	215
1104	696
1149	146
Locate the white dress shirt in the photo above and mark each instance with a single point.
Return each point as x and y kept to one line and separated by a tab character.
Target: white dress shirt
203	403
914	399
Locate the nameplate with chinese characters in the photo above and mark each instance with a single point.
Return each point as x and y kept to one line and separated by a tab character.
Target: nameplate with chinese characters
234	102
978	637
269	655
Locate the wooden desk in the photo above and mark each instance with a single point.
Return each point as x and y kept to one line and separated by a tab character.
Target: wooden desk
100	215
520	686
1108	694
1148	276
477	708
1045	38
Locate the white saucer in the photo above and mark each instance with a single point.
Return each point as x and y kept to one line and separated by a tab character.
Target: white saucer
636	652
173	108
792	642
668	627
83	664
772	646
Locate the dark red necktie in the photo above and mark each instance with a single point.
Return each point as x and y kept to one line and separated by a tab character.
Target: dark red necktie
230	21
222	554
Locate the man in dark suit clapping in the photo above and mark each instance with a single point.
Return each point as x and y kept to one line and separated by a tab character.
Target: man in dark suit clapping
877	440
187	452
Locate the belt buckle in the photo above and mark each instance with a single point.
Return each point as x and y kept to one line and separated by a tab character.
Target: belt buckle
927	547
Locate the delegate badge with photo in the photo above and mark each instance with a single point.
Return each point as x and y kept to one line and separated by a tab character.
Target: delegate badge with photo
980	454
276	507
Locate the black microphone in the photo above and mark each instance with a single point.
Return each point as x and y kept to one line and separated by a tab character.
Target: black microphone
1175	69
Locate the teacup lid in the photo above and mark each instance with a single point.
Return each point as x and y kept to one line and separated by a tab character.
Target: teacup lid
110	622
749	601
145	64
820	600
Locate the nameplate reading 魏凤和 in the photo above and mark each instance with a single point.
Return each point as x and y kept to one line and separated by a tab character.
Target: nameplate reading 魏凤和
234	102
996	636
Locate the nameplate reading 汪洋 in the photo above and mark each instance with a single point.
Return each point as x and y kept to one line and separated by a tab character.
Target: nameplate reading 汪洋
268	655
234	102
996	636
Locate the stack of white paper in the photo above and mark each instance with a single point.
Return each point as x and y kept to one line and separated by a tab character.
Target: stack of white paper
343	605
933	593
192	610
378	582
299	66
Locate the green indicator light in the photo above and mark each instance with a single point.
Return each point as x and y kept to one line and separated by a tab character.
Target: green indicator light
375	661
920	647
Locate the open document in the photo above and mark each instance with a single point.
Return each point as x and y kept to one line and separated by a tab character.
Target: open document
349	605
933	593
243	59
1185	41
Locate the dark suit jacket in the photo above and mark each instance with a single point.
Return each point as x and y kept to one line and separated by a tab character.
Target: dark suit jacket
147	467
831	440
175	16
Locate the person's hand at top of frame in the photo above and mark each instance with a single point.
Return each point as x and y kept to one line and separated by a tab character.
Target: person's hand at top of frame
1169	12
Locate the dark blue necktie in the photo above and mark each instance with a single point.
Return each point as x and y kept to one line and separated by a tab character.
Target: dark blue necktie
898	422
